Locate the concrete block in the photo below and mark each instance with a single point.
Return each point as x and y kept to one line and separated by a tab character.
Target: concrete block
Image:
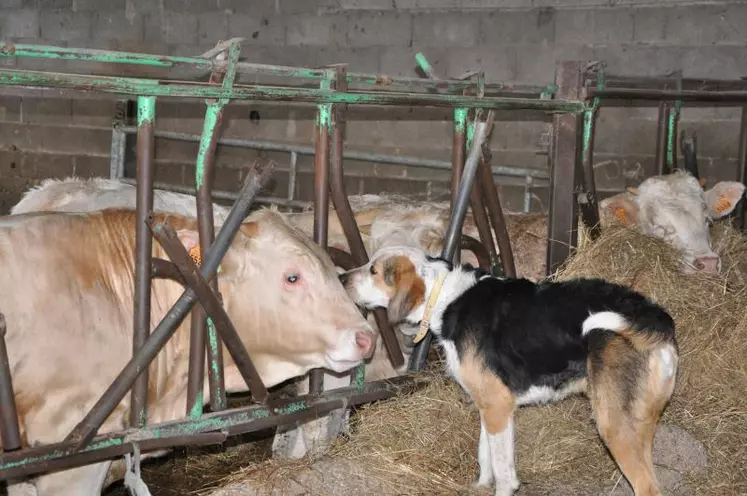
617	135
234	157
117	25
19	137
416	189
66	25
212	27
731	114
594	26
226	179
514	27
399	62
450	29
379	28
258	8
54	4
313	30
176	151
536	64
19	22
46	111
95	5
368	5
48	165
169	173
499	63
706	24
58	139
191	6
11	4
427	4
10	109
300	56
490	4
714	61
635	60
518	135
305	6
97	113
715	139
171	27
91	166
358	59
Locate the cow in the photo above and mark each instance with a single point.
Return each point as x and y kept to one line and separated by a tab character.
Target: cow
66	290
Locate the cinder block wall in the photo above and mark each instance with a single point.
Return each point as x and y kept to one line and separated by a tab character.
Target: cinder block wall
43	134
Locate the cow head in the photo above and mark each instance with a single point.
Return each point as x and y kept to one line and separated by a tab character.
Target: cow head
285	299
675	208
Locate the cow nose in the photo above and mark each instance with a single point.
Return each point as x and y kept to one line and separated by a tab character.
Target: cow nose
343	278
365	341
707	264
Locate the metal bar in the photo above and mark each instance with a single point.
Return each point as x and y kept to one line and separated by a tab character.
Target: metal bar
650	94
292	173
154	87
87	428
512	171
10	434
349	225
212	428
562	232
163	269
588	196
701	84
454	233
166	236
493	203
321	200
458	141
661	139
479	250
143	255
742	212
212	65
672	124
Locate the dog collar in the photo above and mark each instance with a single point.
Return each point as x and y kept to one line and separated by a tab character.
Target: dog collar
432	298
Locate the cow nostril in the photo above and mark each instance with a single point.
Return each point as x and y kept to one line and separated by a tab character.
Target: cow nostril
699	265
365	341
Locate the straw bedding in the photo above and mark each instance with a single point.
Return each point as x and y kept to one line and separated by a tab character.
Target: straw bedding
425	443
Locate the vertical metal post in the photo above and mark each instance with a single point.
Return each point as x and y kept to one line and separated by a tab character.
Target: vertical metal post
672	124
146	113
119	141
459	138
562	232
588	197
321	196
478	210
661	139
528	184
493	202
742	212
292	176
10	434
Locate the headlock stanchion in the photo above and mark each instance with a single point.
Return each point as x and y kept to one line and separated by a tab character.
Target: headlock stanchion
335	88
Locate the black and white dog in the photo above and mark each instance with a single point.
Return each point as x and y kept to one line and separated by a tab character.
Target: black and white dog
511	342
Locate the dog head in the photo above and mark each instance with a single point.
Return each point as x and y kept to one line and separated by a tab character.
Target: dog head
396	278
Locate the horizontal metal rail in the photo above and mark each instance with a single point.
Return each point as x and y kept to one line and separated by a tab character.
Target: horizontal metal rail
670	82
212	428
160	88
213	65
498	170
653	94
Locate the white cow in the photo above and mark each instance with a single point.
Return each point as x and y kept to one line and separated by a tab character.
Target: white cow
66	290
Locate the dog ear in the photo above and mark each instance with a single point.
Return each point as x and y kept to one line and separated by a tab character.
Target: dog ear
400	305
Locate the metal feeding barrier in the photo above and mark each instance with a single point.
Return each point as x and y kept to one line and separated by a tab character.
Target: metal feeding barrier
334	89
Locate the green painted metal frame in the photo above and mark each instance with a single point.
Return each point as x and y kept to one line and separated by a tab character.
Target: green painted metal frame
35	460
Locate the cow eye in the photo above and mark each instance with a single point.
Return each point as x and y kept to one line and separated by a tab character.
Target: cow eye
373	270
292	278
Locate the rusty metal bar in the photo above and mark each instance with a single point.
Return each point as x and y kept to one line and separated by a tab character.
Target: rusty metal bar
347	218
87	428
669	95
476	247
163	269
10	434
588	194
143	246
493	202
661	139
562	232
742	212
212	428
321	198
459	140
166	236
454	233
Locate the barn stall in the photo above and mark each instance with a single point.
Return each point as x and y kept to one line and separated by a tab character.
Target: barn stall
572	180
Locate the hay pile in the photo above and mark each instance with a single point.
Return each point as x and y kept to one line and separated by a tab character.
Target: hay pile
426	443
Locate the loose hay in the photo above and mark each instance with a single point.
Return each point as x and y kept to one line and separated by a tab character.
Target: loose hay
426	442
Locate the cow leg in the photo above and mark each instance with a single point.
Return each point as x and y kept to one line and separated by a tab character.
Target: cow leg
315	436
82	481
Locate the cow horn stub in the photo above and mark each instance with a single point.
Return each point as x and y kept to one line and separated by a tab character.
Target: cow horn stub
690	153
633	191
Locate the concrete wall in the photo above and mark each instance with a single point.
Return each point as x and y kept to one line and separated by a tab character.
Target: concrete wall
512	40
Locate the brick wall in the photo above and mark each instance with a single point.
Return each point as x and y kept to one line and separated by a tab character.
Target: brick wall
45	134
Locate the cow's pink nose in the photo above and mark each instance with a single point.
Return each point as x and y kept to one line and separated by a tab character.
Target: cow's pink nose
365	341
707	264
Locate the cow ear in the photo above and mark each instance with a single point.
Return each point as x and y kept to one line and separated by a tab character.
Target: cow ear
188	238
620	208
723	197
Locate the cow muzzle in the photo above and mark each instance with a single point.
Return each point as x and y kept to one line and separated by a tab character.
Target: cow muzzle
709	264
